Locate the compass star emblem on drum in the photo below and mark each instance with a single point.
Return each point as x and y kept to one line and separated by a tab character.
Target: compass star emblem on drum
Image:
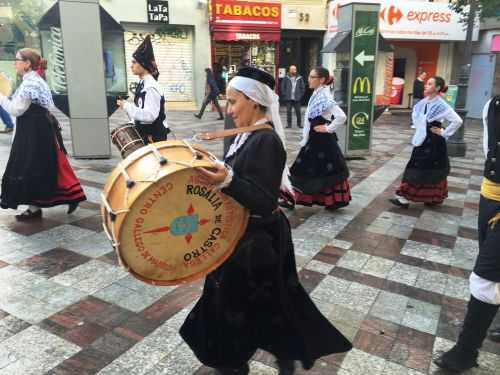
182	225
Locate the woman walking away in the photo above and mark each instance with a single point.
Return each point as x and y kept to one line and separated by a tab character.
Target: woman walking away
255	300
319	174
213	93
38	173
425	176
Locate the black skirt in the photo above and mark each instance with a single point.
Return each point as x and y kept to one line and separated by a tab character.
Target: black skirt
254	300
31	172
429	163
488	261
320	164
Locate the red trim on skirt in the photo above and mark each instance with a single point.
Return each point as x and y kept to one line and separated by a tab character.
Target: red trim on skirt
69	190
339	195
424	193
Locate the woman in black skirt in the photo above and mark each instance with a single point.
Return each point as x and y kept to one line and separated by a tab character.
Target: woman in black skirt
425	176
319	174
38	173
255	300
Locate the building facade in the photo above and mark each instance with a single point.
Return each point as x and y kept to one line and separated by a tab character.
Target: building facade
424	39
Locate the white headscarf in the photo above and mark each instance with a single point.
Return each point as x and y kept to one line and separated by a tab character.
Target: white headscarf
264	95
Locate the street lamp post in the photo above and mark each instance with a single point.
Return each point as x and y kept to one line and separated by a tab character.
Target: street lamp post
456	143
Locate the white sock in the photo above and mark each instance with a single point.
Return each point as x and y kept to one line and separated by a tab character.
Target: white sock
401	199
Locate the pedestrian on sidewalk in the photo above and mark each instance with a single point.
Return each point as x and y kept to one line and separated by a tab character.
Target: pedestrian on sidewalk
484	280
148	110
38	173
254	299
6	120
213	92
292	90
319	175
419	88
425	177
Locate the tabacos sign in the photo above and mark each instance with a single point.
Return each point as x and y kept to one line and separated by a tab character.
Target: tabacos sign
248	13
410	20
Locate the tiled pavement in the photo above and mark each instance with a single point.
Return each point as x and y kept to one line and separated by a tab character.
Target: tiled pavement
394	281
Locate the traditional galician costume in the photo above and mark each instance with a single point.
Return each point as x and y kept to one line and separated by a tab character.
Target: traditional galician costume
148	110
255	300
425	177
38	173
320	174
485	278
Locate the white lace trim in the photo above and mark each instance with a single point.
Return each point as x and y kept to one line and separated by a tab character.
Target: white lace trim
34	89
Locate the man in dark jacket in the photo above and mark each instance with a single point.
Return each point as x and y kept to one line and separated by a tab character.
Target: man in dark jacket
418	87
292	91
212	94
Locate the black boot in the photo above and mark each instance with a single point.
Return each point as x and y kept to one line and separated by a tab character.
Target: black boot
286	367
463	356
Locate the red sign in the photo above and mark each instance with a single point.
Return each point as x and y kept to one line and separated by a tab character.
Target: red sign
240	15
495	43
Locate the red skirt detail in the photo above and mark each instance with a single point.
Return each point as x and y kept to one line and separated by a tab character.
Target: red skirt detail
337	196
424	193
69	190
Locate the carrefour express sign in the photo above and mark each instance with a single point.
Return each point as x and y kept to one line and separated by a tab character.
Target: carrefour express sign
410	20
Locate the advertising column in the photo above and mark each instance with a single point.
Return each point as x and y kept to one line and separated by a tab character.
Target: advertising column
363	56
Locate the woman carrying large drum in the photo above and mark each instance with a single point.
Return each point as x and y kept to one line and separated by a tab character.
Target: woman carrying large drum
38	173
254	299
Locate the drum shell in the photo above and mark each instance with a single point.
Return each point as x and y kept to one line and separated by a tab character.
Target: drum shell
137	166
126	138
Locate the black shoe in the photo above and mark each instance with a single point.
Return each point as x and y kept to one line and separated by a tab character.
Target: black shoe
397	202
72	207
457	360
221	118
29	215
463	356
300	126
495	335
288	126
197	116
286	367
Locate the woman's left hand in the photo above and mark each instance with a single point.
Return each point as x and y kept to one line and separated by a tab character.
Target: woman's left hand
213	176
321	129
438	131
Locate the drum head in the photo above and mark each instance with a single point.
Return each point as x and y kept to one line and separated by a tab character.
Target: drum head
179	230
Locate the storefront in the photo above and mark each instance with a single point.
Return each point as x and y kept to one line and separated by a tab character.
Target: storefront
245	33
302	30
179	32
424	39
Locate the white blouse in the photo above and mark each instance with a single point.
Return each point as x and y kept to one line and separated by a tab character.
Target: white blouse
152	103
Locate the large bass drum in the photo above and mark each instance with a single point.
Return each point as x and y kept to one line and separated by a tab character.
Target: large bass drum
166	226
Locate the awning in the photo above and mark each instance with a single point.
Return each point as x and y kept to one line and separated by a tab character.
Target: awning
247	35
341	42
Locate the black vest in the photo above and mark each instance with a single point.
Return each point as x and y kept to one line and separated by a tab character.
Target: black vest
492	165
155	131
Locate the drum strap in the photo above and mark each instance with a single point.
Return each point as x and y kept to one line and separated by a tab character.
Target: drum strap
229	132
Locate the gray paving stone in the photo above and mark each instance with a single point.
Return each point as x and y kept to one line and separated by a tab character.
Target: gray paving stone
404	274
431	281
353	260
378	267
389	306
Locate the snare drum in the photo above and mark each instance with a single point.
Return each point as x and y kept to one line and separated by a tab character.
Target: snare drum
127	139
166	226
